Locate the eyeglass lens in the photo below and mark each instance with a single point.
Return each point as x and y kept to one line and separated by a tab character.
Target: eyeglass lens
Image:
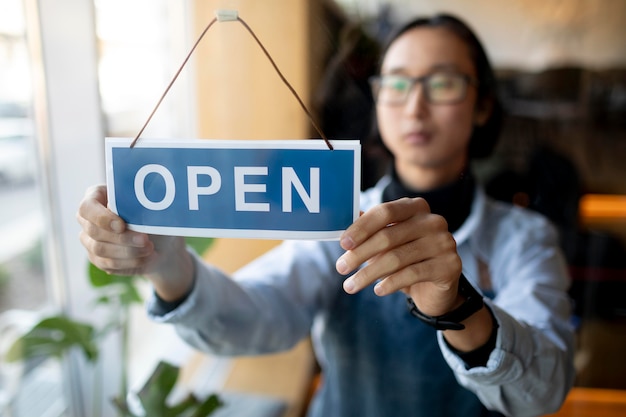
439	88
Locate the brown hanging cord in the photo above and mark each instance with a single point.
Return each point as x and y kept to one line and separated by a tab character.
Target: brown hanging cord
293	91
132	145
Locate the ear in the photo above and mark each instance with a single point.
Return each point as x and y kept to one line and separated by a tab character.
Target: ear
483	111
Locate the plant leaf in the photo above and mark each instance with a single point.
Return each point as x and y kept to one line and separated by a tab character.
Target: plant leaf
154	393
98	278
123	287
53	337
208	406
129	294
122	407
189	403
199	244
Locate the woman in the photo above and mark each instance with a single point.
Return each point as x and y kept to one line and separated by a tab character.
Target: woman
428	235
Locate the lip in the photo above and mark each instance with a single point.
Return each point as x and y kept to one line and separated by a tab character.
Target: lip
417	137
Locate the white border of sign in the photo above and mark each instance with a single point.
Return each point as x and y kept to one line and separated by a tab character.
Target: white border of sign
314	144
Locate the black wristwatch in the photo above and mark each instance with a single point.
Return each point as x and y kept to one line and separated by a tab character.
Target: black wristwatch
452	320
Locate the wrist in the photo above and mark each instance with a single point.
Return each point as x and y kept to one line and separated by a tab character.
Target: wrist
469	302
470	348
175	279
478	330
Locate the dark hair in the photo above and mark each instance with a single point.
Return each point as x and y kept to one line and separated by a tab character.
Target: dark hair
485	137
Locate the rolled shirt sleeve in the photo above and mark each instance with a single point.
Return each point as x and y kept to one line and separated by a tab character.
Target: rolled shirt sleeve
531	370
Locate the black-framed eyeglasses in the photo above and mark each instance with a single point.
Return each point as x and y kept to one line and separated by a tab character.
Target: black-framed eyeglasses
439	87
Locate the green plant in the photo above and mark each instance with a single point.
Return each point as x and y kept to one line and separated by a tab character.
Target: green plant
153	397
56	335
4	275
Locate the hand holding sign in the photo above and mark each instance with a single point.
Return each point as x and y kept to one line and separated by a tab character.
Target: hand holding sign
113	248
404	247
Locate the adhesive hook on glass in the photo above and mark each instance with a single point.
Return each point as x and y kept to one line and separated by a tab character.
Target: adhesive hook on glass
224	15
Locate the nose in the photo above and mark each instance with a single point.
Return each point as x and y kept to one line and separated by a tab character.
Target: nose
416	102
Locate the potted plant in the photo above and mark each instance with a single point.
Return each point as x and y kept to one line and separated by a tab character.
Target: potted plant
56	335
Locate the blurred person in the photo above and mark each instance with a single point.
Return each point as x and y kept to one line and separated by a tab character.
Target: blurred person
438	301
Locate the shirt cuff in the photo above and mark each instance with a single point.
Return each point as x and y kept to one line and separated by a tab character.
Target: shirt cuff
479	356
163	311
162	307
504	364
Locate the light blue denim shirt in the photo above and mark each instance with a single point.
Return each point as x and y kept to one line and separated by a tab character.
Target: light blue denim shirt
378	360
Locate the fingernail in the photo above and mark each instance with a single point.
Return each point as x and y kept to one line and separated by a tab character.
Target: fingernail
348	285
138	240
341	266
346	242
378	289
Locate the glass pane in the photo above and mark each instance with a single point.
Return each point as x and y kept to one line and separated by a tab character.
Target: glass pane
137	57
139	52
23	287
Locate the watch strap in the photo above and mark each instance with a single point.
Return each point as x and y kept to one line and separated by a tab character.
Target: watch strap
452	320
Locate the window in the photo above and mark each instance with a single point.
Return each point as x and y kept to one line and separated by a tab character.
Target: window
24	283
102	61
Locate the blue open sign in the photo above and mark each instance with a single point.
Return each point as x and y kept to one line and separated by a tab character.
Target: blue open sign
281	189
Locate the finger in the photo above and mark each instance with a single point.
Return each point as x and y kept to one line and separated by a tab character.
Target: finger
380	217
388	238
126	238
434	241
440	271
102	224
93	208
387	263
114	251
134	266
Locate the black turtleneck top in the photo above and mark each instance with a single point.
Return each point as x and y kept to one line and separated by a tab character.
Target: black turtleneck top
453	201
